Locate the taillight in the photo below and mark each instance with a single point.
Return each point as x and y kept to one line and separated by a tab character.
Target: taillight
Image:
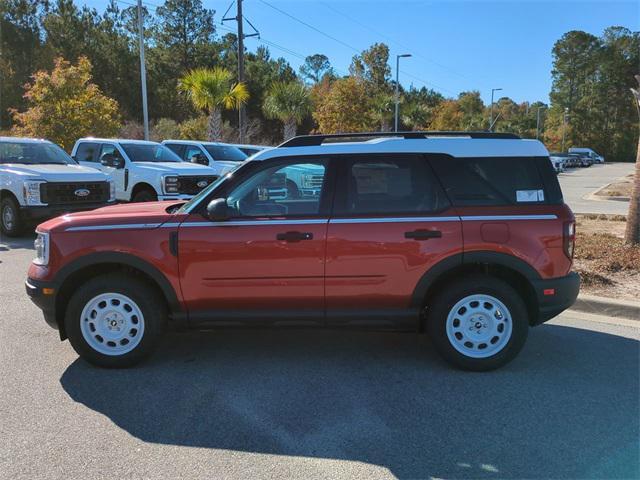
569	238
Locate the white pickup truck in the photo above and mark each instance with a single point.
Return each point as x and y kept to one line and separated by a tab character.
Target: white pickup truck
38	181
222	157
143	171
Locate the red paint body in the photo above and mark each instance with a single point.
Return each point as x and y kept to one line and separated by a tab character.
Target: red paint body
345	266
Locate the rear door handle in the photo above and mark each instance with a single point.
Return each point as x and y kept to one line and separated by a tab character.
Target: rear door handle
294	236
423	234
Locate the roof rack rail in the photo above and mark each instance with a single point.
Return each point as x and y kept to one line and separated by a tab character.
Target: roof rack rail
315	140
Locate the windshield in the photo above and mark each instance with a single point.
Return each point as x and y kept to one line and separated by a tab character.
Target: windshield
226	153
203	193
31	153
140	152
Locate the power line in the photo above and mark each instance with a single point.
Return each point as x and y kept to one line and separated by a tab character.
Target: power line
302	22
417	54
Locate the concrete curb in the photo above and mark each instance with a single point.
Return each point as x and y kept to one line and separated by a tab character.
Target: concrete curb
607	306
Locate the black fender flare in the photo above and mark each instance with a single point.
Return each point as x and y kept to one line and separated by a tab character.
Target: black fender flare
120	258
432	275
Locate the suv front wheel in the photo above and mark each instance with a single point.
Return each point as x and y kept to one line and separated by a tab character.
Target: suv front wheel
114	321
479	323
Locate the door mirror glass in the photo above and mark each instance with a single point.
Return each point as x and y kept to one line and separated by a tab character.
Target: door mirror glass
111	160
199	159
218	211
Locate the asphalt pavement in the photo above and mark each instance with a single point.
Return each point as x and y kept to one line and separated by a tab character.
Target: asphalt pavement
315	404
578	185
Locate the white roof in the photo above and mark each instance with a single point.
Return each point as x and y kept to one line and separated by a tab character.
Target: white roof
117	140
198	142
454	146
24	140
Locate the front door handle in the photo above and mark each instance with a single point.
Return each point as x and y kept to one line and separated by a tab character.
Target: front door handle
423	234
294	236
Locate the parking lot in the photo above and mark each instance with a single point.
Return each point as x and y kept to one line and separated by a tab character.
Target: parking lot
579	183
308	404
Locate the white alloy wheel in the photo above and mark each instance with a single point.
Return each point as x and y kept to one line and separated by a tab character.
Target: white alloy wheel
479	326
112	324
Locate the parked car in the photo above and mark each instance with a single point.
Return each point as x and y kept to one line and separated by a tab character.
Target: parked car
464	236
250	149
594	156
143	171
39	180
222	157
583	160
558	160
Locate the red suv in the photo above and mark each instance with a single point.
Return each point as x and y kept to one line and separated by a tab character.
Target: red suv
463	235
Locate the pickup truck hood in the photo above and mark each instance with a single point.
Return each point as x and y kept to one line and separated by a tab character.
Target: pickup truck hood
177	168
227	166
144	215
54	173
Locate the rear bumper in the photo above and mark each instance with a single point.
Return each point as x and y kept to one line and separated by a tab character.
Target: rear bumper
45	301
38	214
555	295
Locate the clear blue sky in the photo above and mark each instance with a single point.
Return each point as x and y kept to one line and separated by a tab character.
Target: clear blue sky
456	45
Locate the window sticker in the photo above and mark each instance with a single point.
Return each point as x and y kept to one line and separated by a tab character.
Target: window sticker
530	195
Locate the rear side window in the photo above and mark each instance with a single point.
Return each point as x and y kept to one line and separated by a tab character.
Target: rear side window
402	184
87	152
494	180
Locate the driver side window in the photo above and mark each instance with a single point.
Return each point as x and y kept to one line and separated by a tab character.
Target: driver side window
292	189
108	149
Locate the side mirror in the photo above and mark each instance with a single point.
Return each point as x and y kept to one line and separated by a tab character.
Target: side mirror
110	160
199	159
218	210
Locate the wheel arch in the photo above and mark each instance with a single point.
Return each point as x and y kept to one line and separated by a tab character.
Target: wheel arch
103	263
140	186
513	270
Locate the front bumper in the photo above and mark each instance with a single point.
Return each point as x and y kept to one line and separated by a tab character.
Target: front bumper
555	295
39	214
43	294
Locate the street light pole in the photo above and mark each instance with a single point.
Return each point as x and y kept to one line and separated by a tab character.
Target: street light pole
491	118
564	125
143	73
398	57
538	122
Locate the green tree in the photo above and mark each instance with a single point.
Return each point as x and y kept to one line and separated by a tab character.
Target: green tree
315	67
343	106
290	103
372	65
448	116
65	105
212	90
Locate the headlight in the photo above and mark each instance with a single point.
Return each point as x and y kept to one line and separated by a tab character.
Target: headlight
112	190
31	192
171	184
42	249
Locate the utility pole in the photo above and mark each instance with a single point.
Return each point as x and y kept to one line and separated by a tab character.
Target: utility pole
143	73
538	122
398	57
241	111
491	118
564	125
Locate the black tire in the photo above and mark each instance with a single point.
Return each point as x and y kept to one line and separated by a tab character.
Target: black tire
454	292
9	208
145	195
147	298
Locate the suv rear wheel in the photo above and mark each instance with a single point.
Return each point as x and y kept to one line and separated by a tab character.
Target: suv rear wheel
114	321
10	220
479	323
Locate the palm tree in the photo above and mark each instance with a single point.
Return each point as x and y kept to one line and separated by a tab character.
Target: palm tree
383	105
212	90
288	102
632	233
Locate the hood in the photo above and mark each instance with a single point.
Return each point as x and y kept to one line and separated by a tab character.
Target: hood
55	173
179	168
146	214
227	166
